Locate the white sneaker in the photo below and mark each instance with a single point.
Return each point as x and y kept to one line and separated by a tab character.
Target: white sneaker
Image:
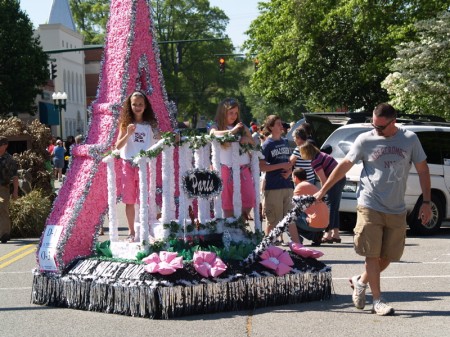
359	292
382	309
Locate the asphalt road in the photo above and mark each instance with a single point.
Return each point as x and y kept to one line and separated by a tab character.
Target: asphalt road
418	288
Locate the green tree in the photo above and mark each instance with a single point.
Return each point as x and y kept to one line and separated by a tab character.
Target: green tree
420	78
91	17
328	53
190	66
23	63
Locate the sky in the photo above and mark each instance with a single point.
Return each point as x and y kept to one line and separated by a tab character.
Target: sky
240	12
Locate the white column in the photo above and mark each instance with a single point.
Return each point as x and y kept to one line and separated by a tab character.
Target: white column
236	168
168	202
218	212
143	199
256	181
183	158
203	163
112	195
152	208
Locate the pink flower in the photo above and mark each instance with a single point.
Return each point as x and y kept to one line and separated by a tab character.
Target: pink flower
165	263
277	259
299	249
208	264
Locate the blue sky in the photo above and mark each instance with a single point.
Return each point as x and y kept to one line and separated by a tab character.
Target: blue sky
240	12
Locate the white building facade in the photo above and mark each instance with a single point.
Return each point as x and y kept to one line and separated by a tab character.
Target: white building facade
60	34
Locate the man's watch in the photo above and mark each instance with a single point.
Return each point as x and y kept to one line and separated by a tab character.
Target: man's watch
426	202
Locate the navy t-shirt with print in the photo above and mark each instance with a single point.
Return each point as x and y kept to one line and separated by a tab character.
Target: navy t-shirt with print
276	152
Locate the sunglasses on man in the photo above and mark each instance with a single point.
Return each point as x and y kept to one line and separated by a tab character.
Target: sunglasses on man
381	127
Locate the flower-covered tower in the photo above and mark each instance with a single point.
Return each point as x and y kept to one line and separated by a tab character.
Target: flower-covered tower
130	62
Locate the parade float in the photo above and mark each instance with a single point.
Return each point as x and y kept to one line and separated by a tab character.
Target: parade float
188	258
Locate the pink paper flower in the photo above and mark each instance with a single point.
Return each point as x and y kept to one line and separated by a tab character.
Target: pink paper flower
299	249
277	259
165	263
208	264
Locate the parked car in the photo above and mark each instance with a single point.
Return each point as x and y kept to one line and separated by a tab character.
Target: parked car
435	139
322	125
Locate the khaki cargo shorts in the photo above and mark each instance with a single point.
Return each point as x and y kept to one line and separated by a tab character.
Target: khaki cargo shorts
379	234
277	203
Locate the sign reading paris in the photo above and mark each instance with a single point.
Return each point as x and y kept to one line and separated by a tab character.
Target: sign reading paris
202	183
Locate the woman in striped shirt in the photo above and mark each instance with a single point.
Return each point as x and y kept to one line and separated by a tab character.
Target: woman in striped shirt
300	137
323	164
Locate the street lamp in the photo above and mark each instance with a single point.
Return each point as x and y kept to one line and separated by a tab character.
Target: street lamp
59	102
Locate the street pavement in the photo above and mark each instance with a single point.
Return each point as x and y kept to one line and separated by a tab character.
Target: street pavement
418	288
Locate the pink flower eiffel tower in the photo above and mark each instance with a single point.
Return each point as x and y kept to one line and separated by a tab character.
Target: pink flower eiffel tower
130	62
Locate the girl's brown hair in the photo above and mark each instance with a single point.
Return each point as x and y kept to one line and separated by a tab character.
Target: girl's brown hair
221	114
127	117
308	151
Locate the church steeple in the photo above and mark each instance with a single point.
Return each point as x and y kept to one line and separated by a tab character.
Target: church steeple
60	13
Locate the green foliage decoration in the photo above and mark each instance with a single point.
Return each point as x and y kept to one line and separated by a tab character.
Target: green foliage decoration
36	157
103	248
29	213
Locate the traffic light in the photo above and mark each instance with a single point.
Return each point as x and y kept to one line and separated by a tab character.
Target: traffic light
53	70
256	63
222	65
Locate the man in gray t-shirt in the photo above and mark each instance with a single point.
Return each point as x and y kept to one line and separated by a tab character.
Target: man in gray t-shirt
387	153
386	164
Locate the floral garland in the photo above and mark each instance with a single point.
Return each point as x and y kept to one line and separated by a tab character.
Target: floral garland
195	142
213	226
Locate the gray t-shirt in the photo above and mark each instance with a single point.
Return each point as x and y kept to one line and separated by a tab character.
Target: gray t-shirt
386	165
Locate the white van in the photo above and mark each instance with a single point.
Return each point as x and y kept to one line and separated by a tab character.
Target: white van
435	139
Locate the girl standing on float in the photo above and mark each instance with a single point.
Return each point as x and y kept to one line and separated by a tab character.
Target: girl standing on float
228	121
138	131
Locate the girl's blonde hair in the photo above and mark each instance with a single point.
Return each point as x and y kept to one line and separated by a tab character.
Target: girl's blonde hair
127	117
221	114
308	151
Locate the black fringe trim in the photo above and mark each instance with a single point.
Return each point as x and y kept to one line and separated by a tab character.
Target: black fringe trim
144	299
